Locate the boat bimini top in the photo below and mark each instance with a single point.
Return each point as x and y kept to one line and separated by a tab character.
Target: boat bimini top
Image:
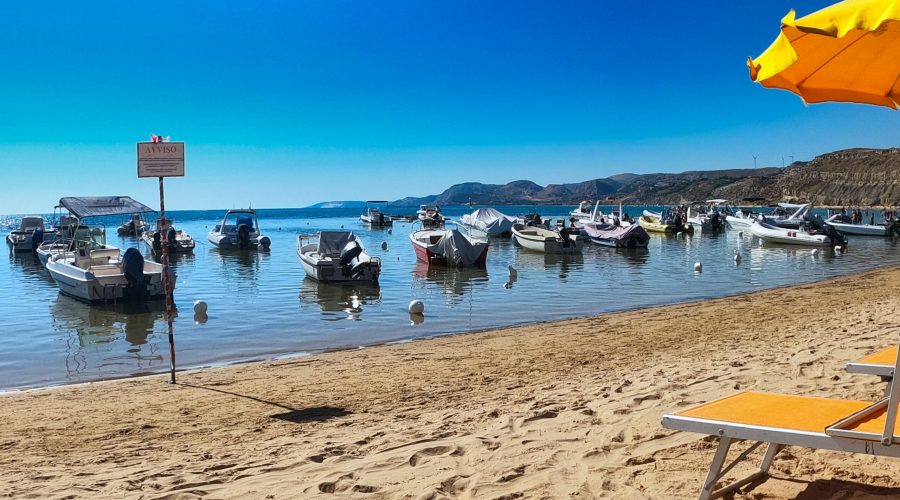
98	206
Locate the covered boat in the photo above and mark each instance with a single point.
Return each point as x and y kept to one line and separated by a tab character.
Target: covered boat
448	246
337	256
828	237
30	234
488	223
539	239
610	235
93	272
239	229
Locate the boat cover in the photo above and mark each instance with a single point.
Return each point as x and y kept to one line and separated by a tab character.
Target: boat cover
610	231
458	249
97	206
332	242
489	220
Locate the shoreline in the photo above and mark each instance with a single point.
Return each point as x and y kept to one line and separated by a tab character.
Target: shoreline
556	409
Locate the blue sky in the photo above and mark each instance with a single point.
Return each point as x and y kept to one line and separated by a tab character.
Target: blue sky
284	104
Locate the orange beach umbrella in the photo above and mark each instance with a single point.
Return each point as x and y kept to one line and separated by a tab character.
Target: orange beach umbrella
848	52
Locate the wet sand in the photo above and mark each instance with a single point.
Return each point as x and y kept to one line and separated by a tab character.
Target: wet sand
569	409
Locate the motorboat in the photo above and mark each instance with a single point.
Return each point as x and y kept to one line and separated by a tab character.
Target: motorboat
828	237
533	219
177	240
539	239
583	213
613	216
706	215
789	215
94	272
448	247
487	223
239	229
611	235
135	226
374	217
844	225
337	256
664	222
430	216
30	234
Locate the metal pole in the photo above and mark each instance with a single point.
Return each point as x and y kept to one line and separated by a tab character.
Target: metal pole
167	283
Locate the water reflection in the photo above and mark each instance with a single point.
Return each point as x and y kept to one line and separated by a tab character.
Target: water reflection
91	329
452	281
339	301
564	265
31	266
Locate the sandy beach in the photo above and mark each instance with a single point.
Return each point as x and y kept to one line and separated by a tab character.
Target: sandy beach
558	410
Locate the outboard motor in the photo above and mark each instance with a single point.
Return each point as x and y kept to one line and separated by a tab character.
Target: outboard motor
243	236
37	237
171	236
349	253
157	244
715	220
836	237
133	269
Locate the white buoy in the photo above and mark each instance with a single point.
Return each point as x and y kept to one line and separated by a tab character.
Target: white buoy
815	251
384	245
416	307
698	267
200	307
512	272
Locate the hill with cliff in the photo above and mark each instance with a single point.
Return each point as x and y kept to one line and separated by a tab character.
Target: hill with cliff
847	177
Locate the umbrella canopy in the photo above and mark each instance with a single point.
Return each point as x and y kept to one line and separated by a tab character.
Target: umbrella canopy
848	52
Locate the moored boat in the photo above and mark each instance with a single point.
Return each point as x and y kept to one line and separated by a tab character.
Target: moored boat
373	216
610	235
239	229
843	225
430	216
135	226
449	247
769	233
30	234
670	225
487	223
337	256
539	239
178	241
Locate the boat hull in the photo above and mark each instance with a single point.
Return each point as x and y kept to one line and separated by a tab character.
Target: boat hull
773	234
862	229
432	253
547	241
109	288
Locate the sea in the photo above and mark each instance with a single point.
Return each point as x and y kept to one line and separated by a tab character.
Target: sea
262	306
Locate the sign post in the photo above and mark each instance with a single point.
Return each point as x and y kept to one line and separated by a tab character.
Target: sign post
161	158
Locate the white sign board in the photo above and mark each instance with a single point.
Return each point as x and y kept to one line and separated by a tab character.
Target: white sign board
160	159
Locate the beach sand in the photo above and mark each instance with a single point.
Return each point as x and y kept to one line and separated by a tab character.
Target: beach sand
569	409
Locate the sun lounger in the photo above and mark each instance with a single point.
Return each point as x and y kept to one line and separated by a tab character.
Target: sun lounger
781	420
881	363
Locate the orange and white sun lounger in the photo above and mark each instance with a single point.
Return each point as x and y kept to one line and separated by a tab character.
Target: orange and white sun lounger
881	363
782	420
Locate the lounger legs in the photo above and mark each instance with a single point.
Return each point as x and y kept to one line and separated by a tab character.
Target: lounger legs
716	471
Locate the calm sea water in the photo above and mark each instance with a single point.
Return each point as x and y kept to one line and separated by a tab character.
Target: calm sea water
261	305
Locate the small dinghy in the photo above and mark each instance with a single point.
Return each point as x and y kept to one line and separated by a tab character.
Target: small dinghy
653	224
610	235
337	256
539	239
448	247
828	237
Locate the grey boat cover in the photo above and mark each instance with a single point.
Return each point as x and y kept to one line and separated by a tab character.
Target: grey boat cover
489	220
458	249
332	242
612	232
98	206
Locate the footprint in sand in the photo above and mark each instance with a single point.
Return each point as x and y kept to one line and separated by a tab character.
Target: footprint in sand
422	455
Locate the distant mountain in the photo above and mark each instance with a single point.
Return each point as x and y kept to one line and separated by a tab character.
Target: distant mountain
339	204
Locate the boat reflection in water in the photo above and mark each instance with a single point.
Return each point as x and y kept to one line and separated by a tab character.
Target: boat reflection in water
239	268
564	264
91	331
31	267
453	282
339	301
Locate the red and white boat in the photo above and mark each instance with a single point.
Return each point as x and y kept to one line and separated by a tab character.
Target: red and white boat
449	247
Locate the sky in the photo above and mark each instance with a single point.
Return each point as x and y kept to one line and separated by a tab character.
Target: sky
284	104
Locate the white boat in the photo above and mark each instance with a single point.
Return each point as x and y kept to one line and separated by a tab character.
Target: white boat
177	240
30	234
611	235
740	218
538	239
337	256
430	216
774	234
583	212
840	222
239	229
135	226
488	223
374	217
789	215
93	272
614	217
706	215
448	247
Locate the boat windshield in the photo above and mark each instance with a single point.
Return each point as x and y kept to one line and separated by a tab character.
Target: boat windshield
90	237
